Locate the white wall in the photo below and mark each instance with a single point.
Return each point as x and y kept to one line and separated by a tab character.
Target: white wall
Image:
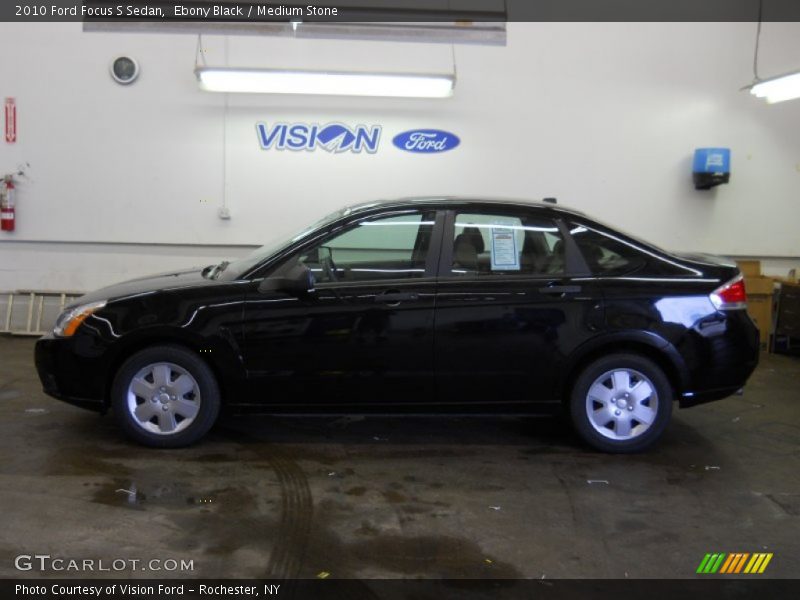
603	116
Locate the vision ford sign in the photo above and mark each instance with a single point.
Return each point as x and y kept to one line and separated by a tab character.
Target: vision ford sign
332	137
426	141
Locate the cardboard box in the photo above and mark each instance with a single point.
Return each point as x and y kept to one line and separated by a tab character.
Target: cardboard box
790	278
760	310
760	292
759	286
750	268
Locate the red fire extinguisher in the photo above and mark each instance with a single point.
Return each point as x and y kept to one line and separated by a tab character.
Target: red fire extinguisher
7	215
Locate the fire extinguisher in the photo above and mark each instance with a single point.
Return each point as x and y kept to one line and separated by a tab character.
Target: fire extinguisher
7	216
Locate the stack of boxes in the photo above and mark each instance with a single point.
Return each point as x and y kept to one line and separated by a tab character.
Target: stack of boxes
760	297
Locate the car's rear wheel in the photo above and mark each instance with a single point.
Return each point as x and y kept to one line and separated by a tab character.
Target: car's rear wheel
621	403
165	397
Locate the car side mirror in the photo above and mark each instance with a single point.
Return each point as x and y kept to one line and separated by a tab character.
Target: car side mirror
298	281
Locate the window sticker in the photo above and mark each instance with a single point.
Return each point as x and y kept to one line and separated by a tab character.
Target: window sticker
504	248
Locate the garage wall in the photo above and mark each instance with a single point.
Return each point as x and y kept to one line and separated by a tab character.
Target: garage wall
127	180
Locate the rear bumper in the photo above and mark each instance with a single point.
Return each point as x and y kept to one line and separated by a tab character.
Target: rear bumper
724	361
689	399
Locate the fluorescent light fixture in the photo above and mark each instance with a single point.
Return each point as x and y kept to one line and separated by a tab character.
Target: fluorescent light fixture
330	83
778	89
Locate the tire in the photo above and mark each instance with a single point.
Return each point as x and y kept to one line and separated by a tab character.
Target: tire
165	397
612	413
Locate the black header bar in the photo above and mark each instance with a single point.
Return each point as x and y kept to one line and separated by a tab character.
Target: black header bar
408	11
710	588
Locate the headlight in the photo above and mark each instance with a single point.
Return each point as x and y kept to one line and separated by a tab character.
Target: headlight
69	321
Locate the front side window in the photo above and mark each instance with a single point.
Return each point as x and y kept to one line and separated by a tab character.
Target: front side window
237	268
506	244
375	249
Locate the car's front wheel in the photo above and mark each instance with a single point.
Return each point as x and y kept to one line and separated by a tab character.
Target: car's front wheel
621	403
165	397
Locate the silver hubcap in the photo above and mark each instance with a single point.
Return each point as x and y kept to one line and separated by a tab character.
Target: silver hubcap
163	398
622	404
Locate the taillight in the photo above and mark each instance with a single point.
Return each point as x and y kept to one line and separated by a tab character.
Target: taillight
730	295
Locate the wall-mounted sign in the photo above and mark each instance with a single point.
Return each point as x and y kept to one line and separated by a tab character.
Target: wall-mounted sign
332	137
11	120
426	140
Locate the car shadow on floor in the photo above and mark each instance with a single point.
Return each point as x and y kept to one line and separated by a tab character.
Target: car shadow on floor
438	430
682	443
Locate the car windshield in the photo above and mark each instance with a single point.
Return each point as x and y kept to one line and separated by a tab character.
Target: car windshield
236	268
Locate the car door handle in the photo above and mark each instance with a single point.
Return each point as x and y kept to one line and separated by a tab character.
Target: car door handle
396	297
560	289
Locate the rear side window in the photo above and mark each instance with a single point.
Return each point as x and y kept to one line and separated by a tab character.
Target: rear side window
606	255
506	244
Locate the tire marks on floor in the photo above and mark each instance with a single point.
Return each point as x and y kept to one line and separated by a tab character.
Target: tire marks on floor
291	537
294	526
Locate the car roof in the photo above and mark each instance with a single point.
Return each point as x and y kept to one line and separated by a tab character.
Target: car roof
453	202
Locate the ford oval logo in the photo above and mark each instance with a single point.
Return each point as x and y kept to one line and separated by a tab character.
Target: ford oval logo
426	140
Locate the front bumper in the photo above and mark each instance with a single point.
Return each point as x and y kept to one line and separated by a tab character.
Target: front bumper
66	376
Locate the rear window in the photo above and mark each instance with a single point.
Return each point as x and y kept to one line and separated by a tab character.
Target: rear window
605	254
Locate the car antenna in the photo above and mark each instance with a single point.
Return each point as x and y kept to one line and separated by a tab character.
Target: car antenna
550	200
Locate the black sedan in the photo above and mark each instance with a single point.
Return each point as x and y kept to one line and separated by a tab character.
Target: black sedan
420	306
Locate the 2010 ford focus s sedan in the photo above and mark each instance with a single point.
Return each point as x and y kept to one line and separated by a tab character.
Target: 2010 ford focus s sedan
410	307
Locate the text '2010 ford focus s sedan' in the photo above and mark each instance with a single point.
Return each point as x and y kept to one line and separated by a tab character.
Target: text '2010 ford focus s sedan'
434	306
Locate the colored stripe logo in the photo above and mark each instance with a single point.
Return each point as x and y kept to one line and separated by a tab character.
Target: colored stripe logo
734	563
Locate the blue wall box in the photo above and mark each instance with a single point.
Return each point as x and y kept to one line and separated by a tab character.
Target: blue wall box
711	167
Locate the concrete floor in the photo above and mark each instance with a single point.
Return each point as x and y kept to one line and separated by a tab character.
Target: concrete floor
439	497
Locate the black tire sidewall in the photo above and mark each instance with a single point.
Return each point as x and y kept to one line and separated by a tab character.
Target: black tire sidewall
209	394
586	378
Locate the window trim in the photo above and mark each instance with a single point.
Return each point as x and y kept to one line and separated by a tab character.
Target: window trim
574	260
